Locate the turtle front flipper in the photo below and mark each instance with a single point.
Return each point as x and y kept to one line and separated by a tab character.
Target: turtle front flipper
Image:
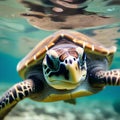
103	78
15	94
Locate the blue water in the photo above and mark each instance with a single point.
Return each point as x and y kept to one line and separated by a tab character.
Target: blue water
18	37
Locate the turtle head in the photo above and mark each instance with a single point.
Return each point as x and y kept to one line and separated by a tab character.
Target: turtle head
64	67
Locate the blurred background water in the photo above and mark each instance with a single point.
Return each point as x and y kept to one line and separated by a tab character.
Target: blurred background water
24	23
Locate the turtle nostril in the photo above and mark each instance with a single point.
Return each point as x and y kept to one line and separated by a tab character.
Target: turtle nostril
74	59
70	61
66	61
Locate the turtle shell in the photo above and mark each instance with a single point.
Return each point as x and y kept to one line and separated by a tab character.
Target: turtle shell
39	51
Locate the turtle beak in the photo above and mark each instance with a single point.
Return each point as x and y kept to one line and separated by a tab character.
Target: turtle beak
77	71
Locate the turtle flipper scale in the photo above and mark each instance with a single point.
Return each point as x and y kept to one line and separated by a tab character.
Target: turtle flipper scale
15	94
103	78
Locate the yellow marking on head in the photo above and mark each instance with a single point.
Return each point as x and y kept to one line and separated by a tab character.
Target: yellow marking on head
76	75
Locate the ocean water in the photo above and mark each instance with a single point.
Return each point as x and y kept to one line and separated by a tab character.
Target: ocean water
20	31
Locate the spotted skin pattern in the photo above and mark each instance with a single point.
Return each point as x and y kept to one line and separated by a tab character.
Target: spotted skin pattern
103	78
111	77
14	95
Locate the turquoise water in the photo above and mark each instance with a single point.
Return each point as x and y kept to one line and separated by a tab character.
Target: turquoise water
18	37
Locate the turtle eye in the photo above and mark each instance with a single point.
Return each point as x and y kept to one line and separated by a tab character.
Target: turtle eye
52	62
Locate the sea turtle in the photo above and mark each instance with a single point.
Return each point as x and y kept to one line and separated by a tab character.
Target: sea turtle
64	66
